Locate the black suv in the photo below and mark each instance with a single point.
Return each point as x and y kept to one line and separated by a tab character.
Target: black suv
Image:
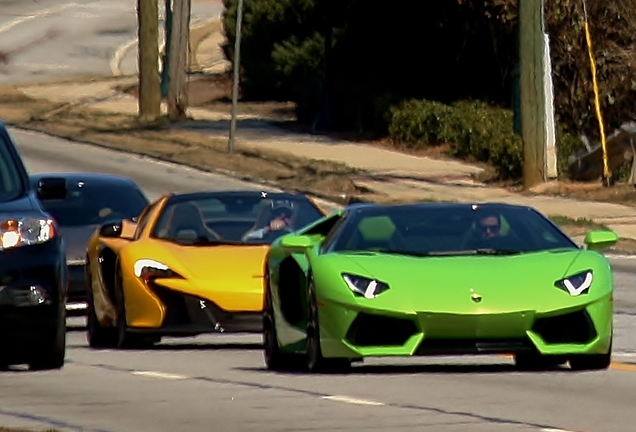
33	272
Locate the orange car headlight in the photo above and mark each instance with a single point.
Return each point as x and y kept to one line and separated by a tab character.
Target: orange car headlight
25	231
149	269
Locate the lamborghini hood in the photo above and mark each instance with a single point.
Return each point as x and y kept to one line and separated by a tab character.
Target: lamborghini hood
475	284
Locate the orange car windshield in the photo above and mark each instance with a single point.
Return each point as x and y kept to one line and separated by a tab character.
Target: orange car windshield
232	218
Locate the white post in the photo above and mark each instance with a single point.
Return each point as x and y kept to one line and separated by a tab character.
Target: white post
550	127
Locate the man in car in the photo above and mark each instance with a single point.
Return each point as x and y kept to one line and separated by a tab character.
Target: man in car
489	226
280	219
486	233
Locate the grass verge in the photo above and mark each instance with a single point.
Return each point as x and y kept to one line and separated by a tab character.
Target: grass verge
183	145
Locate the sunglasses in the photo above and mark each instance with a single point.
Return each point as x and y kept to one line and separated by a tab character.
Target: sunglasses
490	228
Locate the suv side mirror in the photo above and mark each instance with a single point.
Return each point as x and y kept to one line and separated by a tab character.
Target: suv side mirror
51	188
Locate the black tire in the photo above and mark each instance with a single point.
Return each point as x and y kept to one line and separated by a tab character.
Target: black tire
96	335
51	356
124	339
275	358
591	362
316	363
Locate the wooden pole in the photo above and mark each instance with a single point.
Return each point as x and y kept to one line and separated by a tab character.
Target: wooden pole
532	88
149	78
177	86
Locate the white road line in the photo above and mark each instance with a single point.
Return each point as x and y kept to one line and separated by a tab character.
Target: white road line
351	400
117	58
620	256
40	66
624	354
554	430
120	53
160	375
43	13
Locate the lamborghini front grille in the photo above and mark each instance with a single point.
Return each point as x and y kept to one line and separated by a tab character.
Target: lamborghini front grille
574	328
380	330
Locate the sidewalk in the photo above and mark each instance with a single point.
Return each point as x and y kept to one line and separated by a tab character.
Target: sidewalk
392	173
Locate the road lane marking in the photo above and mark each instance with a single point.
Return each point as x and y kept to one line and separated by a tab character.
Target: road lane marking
43	13
620	256
351	400
554	430
41	66
624	354
122	50
120	53
160	375
627	367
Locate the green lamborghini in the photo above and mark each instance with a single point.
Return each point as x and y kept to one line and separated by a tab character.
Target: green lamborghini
437	279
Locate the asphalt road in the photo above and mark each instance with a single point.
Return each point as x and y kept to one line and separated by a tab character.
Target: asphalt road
95	37
219	382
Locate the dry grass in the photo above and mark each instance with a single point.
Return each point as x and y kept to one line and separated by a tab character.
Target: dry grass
620	193
176	144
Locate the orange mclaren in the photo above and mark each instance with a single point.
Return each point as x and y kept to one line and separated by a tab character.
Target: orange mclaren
192	263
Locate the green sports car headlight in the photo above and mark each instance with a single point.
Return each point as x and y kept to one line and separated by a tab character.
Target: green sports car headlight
363	286
577	284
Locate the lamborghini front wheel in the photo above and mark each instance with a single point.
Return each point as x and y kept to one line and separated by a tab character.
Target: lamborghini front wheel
591	362
316	362
275	358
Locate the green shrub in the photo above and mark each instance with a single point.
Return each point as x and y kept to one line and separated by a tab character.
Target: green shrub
419	122
472	128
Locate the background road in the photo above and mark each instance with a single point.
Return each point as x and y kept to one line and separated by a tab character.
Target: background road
96	36
219	382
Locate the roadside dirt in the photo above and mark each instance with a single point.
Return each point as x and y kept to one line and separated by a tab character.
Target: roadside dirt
620	193
193	148
25	430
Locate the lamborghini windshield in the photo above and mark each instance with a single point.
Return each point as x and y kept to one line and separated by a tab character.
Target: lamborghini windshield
422	230
233	217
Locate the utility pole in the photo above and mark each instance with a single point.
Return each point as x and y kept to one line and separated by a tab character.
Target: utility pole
177	87
532	91
148	61
236	66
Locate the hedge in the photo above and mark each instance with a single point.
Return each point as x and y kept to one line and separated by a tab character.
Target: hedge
473	130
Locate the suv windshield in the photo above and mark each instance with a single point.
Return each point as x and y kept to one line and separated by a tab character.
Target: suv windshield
96	203
11	185
233	218
421	231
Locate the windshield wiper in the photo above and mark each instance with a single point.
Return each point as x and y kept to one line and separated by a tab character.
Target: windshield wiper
481	251
491	251
388	252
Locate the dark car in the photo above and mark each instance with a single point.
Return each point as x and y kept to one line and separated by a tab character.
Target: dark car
91	200
33	273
